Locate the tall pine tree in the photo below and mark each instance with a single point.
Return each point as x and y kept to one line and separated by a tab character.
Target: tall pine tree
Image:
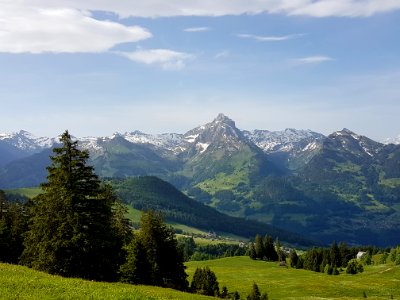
72	230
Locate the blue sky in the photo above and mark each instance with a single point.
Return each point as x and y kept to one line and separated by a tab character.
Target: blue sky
167	66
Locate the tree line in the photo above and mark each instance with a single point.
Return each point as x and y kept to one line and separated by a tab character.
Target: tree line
318	259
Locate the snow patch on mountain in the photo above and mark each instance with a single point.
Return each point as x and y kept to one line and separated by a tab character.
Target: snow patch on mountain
395	141
285	141
24	140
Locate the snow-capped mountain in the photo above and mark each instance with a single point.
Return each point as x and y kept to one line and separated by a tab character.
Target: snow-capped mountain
284	141
24	140
354	143
220	133
395	140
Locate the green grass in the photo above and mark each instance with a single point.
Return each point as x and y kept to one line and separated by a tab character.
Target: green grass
27	192
239	273
17	282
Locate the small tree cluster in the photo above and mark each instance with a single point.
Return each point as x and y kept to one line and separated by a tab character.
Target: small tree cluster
354	267
153	256
13	225
255	294
205	282
263	248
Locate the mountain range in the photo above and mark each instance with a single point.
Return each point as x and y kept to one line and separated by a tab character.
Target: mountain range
343	186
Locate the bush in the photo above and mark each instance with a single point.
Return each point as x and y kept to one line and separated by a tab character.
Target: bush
354	267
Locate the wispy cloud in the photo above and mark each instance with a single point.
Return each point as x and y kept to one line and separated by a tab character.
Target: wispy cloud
167	59
162	8
197	29
269	38
312	60
28	29
222	54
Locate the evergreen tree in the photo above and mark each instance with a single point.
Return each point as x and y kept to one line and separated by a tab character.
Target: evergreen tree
13	225
256	295
335	258
137	268
72	230
154	252
259	247
293	258
252	251
205	282
270	252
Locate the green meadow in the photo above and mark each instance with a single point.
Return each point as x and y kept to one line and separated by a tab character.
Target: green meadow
236	273
17	282
239	273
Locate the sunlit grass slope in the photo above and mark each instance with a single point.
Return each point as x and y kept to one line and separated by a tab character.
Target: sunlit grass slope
239	273
17	282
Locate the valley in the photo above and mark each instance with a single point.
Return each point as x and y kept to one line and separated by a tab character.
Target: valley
338	187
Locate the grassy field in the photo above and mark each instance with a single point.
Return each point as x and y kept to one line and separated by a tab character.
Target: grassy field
239	273
17	282
27	192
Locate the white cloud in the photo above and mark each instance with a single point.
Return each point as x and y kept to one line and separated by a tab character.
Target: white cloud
167	59
197	29
312	60
269	38
25	28
162	8
222	54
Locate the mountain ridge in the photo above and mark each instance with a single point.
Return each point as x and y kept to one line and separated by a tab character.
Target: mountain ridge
340	186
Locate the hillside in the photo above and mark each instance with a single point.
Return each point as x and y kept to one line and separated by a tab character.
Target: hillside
146	193
236	273
19	282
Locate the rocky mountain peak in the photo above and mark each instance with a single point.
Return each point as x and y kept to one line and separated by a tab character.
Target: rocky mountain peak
221	118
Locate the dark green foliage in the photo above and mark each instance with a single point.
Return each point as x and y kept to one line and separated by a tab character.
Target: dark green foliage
270	252
224	292
71	231
205	282
263	248
252	251
259	247
152	193
367	258
153	257
335	258
211	251
354	267
256	295
13	225
137	268
187	246
293	258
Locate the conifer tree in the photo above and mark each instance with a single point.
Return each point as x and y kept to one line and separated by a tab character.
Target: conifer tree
205	282
155	253
13	224
72	231
259	247
270	252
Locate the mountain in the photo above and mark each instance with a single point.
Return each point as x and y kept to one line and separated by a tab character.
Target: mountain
395	140
343	186
21	144
291	148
